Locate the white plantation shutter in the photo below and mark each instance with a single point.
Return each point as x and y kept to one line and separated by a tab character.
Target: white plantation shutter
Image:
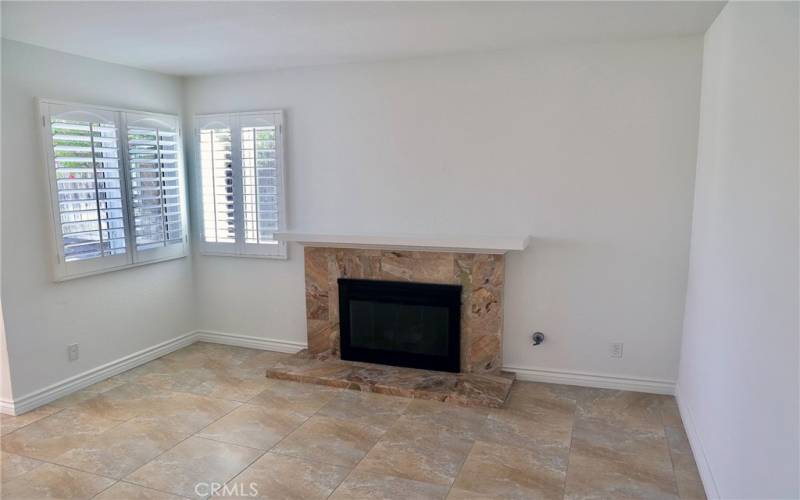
242	190
154	161
218	197
87	188
98	189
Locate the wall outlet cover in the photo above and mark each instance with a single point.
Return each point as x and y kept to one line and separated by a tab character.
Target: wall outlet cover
616	349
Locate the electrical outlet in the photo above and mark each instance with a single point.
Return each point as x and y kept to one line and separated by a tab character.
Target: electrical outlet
615	350
72	352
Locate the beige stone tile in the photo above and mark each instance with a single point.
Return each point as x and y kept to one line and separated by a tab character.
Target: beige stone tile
128	491
193	461
254	426
132	375
508	472
375	410
305	399
459	494
231	383
690	486
256	362
179	377
670	415
87	393
543	431
330	440
281	477
457	420
533	398
124	448
415	450
51	436
631	410
200	353
624	463
53	481
121	403
15	465
367	486
9	423
189	412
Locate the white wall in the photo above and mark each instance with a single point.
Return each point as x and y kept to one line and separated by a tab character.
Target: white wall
111	315
738	388
588	148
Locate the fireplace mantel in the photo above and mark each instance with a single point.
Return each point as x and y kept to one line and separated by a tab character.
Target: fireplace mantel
464	244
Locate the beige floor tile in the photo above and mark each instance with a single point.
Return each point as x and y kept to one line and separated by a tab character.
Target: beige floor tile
121	403
53	481
375	410
541	430
624	463
14	466
231	383
508	472
155	366
124	448
459	494
51	436
415	450
670	415
257	362
690	486
305	399
128	491
534	397
281	477
367	486
330	440
9	423
191	462
457	420
254	426
87	393
189	412
632	410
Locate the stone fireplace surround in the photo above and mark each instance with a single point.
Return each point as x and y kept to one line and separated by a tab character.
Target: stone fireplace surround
481	276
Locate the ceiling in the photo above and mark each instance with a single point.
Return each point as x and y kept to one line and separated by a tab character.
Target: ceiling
200	38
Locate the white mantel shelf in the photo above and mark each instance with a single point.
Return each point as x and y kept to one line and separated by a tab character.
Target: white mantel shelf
466	244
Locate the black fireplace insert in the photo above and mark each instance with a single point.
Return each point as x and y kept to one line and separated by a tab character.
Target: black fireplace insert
401	324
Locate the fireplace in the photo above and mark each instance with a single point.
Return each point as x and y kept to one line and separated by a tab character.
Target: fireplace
407	324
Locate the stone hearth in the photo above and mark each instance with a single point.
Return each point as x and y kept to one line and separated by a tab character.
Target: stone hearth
466	389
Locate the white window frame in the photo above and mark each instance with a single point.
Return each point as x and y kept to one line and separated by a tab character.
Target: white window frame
235	122
63	270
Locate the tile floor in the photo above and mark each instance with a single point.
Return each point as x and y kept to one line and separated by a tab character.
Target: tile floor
206	415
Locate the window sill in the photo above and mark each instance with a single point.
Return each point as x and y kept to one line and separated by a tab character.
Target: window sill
208	253
62	279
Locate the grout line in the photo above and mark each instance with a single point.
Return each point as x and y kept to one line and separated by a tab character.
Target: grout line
461	467
669	449
571	442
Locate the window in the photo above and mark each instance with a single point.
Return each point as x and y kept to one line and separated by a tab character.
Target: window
116	197
241	171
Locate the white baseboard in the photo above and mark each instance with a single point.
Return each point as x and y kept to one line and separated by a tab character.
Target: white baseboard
698	450
52	392
58	390
654	386
262	343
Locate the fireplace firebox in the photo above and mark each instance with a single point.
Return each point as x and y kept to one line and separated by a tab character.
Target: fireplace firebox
401	324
